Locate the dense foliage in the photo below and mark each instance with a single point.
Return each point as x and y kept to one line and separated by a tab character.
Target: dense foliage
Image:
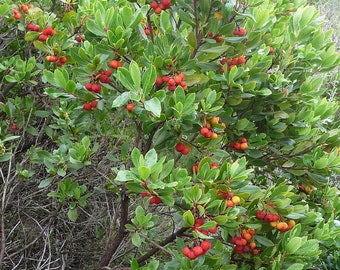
204	127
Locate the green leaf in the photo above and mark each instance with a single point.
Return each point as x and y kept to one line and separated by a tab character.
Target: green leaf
293	245
188	219
144	172
153	105
148	80
264	241
72	214
321	163
41	46
150	158
121	100
135	75
125	78
136	240
93	27
46	182
5	157
125	175
60	78
296	266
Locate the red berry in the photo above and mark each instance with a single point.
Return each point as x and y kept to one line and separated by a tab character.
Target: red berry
108	72
145	194
49	31
79	39
96	88
165	78
166	3
88	86
242	32
158	200
179	147
94	103
14	127
199	222
152	200
186	250
147	31
243	140
198	250
154	4
159	81
213	230
185	151
241	60
30	26
219	39
130	107
104	79
115	64
204	131
87	106
236	32
255	251
63	59
205	245
43	37
260	214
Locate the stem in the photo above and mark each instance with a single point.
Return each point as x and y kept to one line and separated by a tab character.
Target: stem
124	211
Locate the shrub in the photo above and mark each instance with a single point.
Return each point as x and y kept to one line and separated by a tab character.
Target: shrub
212	115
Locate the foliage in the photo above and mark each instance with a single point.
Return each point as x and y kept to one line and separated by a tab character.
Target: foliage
226	126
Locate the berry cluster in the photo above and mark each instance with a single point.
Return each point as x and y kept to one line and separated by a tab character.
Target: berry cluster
33	27
208	132
232	62
90	105
16	14
197	227
154	198
172	82
102	76
158	7
54	58
24	8
244	243
48	31
182	148
239	31
115	64
274	220
231	199
242	144
196	251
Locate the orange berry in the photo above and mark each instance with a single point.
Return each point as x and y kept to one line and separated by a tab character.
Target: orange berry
247	236
252	245
130	107
229	203
291	223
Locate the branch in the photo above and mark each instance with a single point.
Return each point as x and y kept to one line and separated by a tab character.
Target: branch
122	232
169	239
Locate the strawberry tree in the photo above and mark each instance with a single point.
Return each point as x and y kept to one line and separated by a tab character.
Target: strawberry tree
222	139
